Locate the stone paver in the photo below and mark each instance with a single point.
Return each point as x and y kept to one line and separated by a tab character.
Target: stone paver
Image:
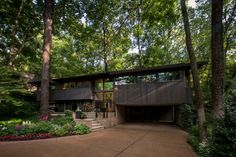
126	140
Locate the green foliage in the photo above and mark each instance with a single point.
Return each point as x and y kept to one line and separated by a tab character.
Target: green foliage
68	113
222	140
15	100
81	129
186	120
58	131
8	129
204	149
18	30
12	121
57	126
42	127
193	138
224	136
62	120
69	127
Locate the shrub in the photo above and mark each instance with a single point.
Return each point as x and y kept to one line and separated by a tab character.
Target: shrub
59	131
41	127
81	129
61	120
193	138
69	127
8	129
186	120
68	113
194	142
224	136
204	149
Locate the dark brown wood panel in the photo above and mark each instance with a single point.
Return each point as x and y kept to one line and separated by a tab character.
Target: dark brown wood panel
70	94
157	93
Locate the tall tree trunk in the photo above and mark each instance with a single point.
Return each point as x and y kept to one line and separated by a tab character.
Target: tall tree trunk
217	59
44	102
194	70
105	49
139	43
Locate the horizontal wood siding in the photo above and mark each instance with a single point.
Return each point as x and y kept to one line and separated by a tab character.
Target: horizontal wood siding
158	93
70	94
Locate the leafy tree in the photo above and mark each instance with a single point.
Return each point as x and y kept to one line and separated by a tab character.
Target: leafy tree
195	75
19	23
15	99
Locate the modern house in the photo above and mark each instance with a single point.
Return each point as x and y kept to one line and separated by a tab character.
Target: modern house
148	94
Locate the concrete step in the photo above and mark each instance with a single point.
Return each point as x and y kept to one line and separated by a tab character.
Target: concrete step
96	126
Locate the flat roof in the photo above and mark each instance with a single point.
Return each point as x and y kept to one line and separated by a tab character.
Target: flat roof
113	74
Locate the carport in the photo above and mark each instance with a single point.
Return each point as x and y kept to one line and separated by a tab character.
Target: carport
149	114
151	101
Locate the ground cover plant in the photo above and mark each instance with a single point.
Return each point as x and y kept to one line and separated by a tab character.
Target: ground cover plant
18	129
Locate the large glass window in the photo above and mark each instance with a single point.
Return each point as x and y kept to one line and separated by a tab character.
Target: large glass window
167	76
108	85
99	85
147	78
69	85
125	80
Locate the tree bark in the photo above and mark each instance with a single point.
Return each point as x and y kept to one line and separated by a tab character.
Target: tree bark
44	102
217	59
195	75
105	49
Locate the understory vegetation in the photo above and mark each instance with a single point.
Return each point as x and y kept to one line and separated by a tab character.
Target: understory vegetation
41	127
219	142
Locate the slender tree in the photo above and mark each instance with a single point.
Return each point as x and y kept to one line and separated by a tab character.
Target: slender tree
217	59
44	102
195	74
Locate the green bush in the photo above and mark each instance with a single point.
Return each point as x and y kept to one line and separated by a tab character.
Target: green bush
69	127
58	131
41	127
7	129
194	142
61	120
224	136
81	129
16	100
204	149
193	138
186	120
68	113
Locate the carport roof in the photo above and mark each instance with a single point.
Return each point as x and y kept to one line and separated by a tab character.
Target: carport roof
113	74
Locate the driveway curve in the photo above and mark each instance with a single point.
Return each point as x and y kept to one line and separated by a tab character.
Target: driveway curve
126	140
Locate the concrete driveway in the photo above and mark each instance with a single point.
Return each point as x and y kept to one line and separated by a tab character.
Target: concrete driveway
126	140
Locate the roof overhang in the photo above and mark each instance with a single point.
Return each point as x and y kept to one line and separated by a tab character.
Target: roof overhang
113	74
